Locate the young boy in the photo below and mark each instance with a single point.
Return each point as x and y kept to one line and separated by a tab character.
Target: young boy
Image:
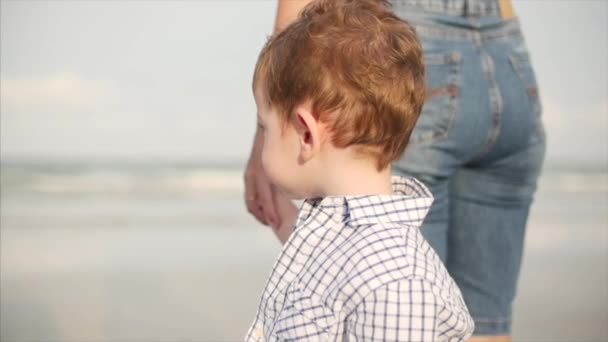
338	93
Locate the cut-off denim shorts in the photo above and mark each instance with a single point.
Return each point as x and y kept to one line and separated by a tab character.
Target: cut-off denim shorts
478	145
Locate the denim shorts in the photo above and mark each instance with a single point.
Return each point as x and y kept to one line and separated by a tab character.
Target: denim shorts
478	145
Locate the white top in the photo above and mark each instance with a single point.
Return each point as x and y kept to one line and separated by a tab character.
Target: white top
356	268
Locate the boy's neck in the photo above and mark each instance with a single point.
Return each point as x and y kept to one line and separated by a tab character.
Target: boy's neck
355	176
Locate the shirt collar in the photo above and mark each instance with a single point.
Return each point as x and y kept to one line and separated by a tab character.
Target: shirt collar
408	204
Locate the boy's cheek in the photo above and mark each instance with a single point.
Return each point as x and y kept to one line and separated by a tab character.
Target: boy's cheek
269	167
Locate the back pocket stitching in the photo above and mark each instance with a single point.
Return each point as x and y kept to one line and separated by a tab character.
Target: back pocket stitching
451	88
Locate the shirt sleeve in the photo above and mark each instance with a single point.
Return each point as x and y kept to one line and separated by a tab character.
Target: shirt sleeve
408	310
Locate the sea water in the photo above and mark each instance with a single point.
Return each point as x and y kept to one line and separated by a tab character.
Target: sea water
168	252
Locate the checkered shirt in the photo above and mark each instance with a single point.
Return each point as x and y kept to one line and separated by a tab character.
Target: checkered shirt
356	268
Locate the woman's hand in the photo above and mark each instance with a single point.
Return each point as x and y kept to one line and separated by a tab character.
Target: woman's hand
259	192
267	203
288	213
264	200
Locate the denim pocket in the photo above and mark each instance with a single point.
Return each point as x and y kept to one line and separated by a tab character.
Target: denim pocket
523	68
522	65
441	104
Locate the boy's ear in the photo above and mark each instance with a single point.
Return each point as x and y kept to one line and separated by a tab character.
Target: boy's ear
309	133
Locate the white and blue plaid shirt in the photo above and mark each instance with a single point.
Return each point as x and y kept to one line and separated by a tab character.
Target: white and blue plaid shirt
356	268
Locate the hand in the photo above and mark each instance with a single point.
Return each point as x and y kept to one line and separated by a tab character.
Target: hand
267	203
259	192
288	214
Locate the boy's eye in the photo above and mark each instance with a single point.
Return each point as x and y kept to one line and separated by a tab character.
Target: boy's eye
260	126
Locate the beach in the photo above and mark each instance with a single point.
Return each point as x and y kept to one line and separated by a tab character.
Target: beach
167	253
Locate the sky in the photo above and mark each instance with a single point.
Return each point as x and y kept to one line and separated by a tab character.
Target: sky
171	81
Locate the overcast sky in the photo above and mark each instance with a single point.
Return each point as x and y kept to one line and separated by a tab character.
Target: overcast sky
171	80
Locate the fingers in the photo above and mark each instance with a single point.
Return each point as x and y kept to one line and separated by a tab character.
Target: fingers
259	191
266	193
251	196
286	210
288	214
259	195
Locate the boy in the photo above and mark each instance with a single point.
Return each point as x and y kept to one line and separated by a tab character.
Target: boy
338	93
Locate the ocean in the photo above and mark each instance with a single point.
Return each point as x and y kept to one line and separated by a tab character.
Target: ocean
167	252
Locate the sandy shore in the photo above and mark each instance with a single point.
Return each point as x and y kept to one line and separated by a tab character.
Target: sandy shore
129	276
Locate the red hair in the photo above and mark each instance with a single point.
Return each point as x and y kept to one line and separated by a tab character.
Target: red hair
359	65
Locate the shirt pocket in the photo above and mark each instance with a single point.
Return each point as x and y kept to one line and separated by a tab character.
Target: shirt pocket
443	70
304	317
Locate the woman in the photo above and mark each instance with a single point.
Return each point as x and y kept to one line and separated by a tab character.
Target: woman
478	145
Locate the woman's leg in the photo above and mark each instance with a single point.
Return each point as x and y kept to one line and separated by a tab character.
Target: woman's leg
489	207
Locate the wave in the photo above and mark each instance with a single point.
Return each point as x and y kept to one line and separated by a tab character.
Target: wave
122	180
200	179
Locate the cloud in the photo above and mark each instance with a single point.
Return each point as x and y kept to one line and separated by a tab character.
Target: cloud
65	91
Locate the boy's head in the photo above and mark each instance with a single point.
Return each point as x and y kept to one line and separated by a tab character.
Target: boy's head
347	74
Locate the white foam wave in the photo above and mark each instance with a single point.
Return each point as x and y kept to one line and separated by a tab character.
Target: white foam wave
197	181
